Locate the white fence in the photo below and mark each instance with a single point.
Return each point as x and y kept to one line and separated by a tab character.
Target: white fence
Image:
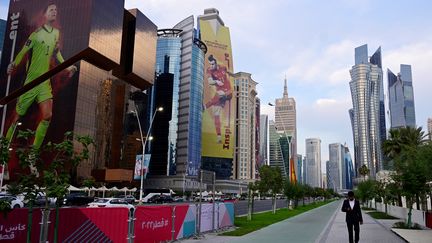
417	216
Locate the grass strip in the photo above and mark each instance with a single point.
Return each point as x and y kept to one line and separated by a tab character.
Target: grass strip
380	215
262	220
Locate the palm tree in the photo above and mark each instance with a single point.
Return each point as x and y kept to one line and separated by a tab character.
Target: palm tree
364	171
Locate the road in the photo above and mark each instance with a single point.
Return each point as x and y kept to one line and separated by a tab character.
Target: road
241	207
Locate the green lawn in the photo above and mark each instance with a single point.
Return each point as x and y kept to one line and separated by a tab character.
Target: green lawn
380	215
262	220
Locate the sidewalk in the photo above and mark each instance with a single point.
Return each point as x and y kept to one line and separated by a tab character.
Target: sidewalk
370	231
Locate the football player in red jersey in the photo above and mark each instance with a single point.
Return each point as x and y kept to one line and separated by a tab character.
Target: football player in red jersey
218	77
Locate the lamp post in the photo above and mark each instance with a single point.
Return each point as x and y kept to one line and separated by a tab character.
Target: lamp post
144	143
9	149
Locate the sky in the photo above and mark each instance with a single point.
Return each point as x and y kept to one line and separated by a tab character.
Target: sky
311	43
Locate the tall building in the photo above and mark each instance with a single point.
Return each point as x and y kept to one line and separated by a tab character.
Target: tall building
188	154
278	151
349	175
263	138
219	103
299	168
367	115
285	118
401	98
246	121
2	34
257	135
313	162
94	100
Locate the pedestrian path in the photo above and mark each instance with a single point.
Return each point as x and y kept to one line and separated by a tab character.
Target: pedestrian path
370	231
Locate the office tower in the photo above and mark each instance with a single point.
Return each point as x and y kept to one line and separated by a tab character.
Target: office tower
330	176
401	98
367	116
257	136
277	156
219	103
263	149
349	175
429	124
285	117
246	121
94	100
324	180
338	166
299	168
313	162
2	34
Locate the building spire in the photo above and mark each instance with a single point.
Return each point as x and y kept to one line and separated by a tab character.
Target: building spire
285	94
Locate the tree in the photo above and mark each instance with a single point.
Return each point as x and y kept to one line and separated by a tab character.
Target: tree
252	187
271	182
408	148
56	175
290	191
364	171
366	191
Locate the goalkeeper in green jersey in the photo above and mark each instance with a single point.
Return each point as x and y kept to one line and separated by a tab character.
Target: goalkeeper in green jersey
43	45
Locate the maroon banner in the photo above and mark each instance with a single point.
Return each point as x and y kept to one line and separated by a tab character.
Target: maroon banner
153	223
14	225
92	225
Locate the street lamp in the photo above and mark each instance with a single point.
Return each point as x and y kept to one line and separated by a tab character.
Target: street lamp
9	149
144	143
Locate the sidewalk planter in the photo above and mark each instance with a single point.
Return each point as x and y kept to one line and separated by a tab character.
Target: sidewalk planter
418	216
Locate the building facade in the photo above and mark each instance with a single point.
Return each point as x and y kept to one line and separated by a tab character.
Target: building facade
2	34
313	162
367	115
401	98
246	121
263	138
277	144
219	103
349	165
188	154
429	125
299	168
286	122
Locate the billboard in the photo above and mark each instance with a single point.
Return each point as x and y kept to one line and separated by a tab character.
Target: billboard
139	163
218	120
43	36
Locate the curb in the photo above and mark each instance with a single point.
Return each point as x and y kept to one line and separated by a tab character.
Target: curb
378	222
400	236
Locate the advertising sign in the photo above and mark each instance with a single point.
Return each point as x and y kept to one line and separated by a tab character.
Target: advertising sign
218	137
153	224
40	36
140	163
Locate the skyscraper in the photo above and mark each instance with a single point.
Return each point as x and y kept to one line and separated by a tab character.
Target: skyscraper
367	115
337	166
349	175
285	118
313	162
246	126
401	98
188	157
299	168
263	155
2	34
219	103
277	156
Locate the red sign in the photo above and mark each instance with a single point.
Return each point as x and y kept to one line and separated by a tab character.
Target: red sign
153	224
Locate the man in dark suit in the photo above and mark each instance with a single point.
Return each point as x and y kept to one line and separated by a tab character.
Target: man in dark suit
353	216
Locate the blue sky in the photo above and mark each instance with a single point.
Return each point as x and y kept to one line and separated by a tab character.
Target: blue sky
312	43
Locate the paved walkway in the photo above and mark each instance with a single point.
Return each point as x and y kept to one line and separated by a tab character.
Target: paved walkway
322	225
370	231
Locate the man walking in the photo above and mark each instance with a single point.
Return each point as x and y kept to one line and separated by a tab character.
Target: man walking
353	216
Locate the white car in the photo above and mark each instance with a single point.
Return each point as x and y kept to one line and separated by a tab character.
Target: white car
110	202
13	201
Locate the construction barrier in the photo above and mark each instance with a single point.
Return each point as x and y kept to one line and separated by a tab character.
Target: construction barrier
142	224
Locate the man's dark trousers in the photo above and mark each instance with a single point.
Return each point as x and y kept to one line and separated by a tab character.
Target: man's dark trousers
356	227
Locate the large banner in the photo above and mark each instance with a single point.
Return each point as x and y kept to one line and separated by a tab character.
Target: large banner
219	103
141	166
153	224
40	35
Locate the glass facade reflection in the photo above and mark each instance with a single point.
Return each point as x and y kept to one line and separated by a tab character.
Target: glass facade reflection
2	34
277	143
401	98
168	56
367	116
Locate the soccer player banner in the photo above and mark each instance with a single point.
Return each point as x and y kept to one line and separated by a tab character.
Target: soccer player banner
140	163
44	36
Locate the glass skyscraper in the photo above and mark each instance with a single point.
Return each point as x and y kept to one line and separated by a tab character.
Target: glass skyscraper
313	162
367	115
401	98
278	143
168	56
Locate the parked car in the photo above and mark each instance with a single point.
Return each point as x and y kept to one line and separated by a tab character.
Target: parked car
128	198
13	201
77	199
110	202
161	199
41	201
